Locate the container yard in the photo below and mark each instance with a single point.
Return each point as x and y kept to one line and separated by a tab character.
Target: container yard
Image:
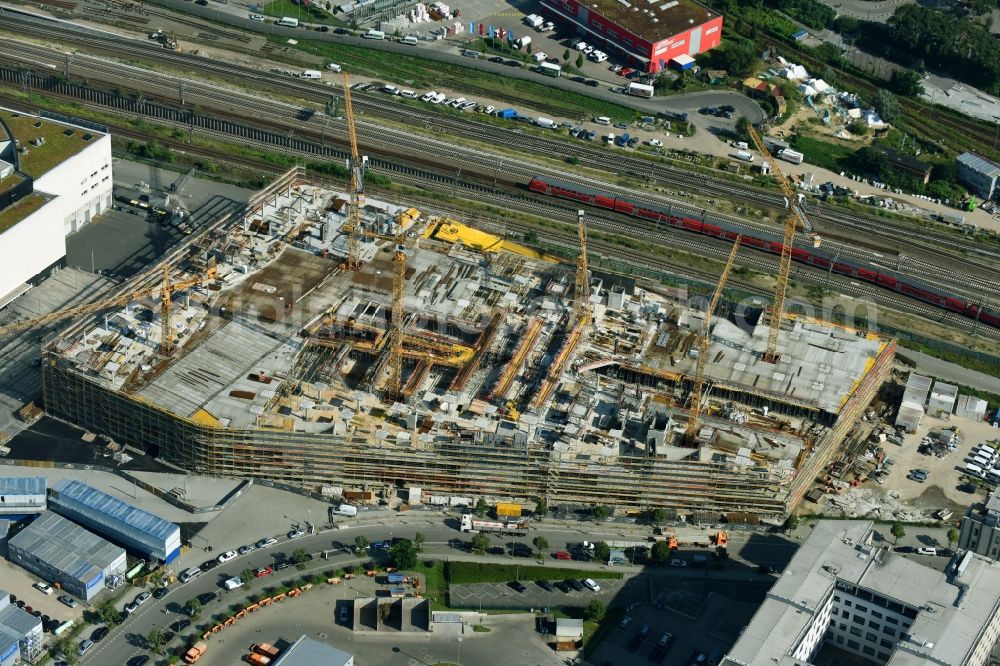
453	361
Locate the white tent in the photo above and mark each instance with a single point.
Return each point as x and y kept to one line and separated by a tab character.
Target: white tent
820	85
806	89
795	73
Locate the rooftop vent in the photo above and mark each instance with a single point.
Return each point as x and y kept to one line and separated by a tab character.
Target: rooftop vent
69	132
38	141
668	5
38	124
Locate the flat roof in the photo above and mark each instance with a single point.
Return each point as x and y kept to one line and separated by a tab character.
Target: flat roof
980	164
62	141
307	652
15	622
67	547
117	510
18	212
22	485
653	20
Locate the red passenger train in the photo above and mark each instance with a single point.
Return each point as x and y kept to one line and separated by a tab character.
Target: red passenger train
898	282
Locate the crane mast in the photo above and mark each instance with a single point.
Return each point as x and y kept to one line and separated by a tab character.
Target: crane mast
582	293
396	325
794	217
357	193
704	340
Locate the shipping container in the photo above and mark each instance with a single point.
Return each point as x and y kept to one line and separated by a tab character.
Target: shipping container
509	509
792	156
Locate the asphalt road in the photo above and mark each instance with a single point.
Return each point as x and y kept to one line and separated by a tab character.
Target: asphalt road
127	640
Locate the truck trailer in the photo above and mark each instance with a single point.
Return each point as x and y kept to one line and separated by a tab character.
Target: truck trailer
522	42
790	155
288	22
473	525
640	90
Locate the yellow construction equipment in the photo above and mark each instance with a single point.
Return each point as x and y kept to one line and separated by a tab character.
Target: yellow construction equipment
581	296
794	217
165	289
357	194
704	342
396	325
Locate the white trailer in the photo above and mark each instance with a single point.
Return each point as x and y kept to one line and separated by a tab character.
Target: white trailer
640	90
522	42
790	155
288	22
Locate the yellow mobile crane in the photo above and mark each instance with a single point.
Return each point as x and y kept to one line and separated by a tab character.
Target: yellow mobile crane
703	344
795	217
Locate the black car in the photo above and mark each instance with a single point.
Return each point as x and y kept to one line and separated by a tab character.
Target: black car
207	597
168	636
575	584
544	584
161	592
517	586
208	565
497	59
180	625
969	488
634	644
904	549
284	564
324	28
578	79
592	83
99	633
512	63
340	31
138	660
561	586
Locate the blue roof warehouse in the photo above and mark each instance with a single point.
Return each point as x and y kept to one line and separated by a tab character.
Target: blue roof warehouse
129	526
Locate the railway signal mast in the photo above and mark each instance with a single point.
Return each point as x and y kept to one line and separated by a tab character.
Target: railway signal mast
794	218
704	342
356	165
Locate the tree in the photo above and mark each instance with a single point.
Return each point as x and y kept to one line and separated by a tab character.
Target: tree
742	131
418	541
300	556
247	577
480	544
887	105
109	614
156	640
952	536
193	608
657	516
858	128
566	55
481	507
602	551
906	82
361	542
64	648
791	522
541	544
660	552
541	508
579	61
403	554
528	49
739	59
594	610
897	531
602	512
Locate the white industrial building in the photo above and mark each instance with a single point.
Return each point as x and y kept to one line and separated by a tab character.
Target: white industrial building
20	633
308	652
839	590
54	178
62	552
970	407
136	529
21	496
911	408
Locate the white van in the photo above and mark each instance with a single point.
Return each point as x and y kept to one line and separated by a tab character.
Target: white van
190	574
982	462
311	74
409	40
391	89
374	34
408	94
973	469
926	550
602	120
232	583
334	67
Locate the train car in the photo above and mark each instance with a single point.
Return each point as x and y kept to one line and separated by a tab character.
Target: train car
771	243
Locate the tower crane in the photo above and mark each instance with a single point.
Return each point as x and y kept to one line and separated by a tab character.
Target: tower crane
396	325
794	218
703	344
582	293
357	193
165	290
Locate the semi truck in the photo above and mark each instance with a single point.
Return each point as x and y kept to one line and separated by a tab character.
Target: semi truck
640	90
195	652
474	525
790	155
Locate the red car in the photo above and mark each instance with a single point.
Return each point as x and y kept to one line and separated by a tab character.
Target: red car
263	571
625	71
562	555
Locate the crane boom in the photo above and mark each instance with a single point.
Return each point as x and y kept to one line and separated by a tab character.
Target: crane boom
795	217
704	340
97	306
357	170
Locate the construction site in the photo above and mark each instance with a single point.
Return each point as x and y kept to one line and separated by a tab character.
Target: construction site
338	343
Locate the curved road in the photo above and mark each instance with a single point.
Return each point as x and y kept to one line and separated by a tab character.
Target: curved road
127	640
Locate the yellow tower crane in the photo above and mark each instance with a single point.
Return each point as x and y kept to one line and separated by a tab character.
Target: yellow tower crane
357	193
396	325
581	295
703	344
794	218
165	290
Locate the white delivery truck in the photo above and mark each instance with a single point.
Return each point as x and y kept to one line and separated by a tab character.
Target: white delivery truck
346	510
547	123
792	156
374	34
409	40
288	22
232	583
640	90
522	42
311	74
744	155
534	20
334	67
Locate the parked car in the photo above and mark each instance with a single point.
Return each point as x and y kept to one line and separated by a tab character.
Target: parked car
180	625
139	660
264	543
674	562
131	607
656	143
591	584
544	584
592	83
625	622
161	592
575	584
497	59
249	548
142	598
207	597
296	534
99	633
67	600
561	586
263	571
208	565
43	587
517	586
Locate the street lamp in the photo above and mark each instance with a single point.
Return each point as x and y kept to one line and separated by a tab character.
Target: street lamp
458	658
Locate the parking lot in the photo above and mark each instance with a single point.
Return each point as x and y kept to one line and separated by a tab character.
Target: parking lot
19	582
692	615
502	595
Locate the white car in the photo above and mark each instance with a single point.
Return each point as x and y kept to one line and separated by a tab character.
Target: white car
257	17
678	563
489	109
227	556
656	143
592	584
408	94
427	97
43	588
142	598
296	534
264	543
581	46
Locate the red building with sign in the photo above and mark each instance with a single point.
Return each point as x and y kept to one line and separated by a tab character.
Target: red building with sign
646	34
